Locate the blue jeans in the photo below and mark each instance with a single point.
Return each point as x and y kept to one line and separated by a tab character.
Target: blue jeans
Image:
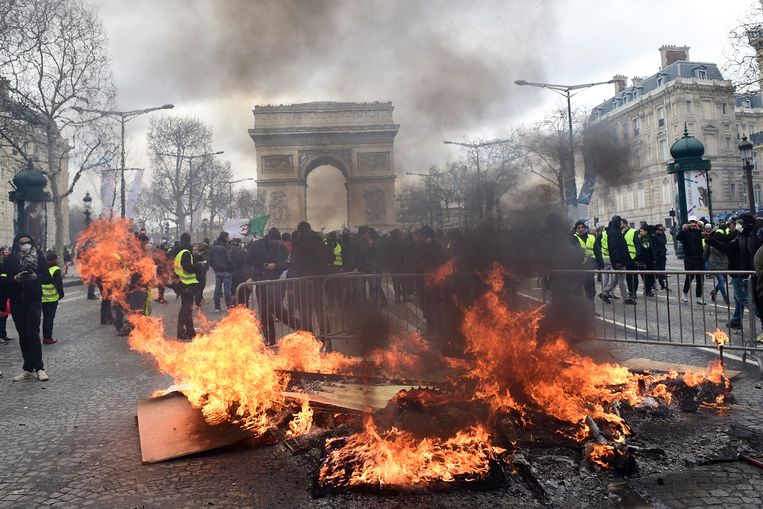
720	286
740	297
222	287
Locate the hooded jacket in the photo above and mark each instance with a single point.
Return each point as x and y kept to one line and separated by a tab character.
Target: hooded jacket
219	257
30	289
616	245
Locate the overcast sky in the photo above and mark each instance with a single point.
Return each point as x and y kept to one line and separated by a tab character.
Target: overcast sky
448	66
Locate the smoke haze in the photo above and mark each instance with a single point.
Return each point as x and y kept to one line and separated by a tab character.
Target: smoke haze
448	66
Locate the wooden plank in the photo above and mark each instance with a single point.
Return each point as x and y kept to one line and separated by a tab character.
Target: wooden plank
643	364
355	397
169	427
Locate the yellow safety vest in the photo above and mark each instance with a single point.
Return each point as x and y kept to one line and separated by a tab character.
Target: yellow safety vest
49	292
629	235
587	246
187	278
338	262
147	308
604	245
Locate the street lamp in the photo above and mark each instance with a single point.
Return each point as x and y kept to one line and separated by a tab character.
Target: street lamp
204	227
167	230
124	116
30	198
745	150
230	193
570	189
190	174
88	201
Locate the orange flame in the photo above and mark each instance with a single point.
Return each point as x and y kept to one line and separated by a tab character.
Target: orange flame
302	422
719	337
441	273
397	458
109	252
601	454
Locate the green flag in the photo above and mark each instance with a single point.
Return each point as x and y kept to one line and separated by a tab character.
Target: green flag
257	225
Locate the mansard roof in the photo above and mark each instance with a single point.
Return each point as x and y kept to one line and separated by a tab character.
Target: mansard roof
667	74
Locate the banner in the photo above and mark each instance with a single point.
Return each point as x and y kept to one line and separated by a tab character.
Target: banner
696	194
237	228
257	226
108	192
586	191
134	191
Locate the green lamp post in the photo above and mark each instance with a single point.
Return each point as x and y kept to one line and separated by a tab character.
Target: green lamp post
687	155
30	199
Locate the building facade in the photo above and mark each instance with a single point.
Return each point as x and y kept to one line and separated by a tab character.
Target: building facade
15	117
650	115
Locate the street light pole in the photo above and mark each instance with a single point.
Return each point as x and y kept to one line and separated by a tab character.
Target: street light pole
745	148
570	188
230	193
88	201
124	116
190	175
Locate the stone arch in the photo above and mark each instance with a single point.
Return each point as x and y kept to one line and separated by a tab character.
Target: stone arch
356	138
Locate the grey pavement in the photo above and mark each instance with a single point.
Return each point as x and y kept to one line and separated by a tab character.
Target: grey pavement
73	442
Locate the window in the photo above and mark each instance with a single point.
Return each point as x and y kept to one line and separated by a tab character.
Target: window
664	152
632	199
728	143
701	74
665	192
724	108
625	129
636	125
756	193
660	81
660	117
746	103
635	94
641	197
688	106
733	190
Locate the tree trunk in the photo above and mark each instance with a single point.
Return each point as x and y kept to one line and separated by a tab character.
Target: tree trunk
58	210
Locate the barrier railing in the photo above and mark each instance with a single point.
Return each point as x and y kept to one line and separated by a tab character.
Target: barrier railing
662	313
364	306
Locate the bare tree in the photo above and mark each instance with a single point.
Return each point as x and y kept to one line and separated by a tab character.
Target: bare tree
744	61
180	180
249	203
53	59
218	198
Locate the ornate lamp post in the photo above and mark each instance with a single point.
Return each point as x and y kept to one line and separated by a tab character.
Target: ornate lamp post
689	167
88	201
30	200
167	230
745	150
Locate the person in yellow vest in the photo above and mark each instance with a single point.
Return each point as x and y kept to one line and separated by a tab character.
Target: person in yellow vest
186	286
586	242
337	260
52	292
631	240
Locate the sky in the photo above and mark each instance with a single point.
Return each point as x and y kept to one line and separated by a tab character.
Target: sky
448	66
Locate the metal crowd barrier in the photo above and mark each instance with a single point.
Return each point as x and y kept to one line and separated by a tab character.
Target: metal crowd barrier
363	307
665	318
359	306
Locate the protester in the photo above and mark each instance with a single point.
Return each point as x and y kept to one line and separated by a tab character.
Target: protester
718	261
631	240
221	263
586	242
645	258
690	237
660	249
186	286
241	272
26	271
200	253
52	292
612	251
5	304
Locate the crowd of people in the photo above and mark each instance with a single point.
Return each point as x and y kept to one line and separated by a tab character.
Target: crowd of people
724	247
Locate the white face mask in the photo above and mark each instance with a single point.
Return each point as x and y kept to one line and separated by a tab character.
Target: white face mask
740	227
25	248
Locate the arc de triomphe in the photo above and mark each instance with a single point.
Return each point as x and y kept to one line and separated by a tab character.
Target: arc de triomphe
356	138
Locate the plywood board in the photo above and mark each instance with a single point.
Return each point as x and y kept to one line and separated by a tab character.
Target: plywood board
642	364
169	427
352	396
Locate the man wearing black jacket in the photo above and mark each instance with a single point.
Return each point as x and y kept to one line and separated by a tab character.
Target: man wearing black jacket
267	258
27	271
694	257
611	250
220	261
741	251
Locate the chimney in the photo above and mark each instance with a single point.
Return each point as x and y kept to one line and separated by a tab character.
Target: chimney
670	53
636	80
619	83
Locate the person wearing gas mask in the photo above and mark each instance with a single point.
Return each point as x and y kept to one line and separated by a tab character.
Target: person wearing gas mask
26	271
741	252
